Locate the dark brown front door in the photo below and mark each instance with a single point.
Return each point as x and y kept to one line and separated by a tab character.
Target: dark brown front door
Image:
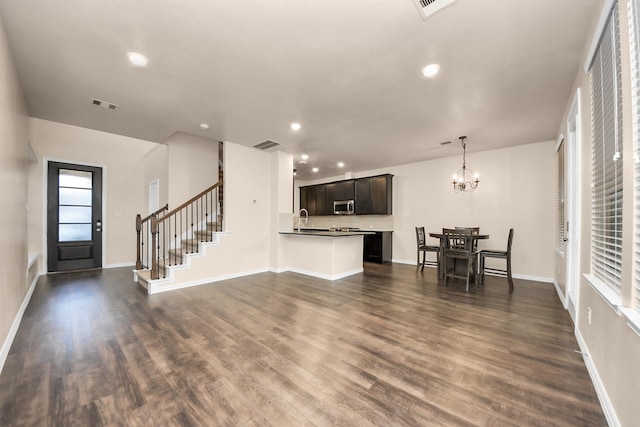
74	217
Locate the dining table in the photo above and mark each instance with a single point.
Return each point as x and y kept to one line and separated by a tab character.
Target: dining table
440	236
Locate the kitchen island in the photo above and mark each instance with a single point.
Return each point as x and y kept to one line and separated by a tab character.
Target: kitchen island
326	254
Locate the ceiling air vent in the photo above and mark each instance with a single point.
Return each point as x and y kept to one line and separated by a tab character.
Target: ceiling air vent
104	104
429	7
266	145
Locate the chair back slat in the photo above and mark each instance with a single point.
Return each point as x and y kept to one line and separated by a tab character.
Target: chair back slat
458	240
420	236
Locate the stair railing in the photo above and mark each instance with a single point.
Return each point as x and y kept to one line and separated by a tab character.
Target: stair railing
179	231
143	231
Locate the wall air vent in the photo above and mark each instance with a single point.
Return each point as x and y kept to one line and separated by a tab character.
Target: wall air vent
104	104
266	145
429	7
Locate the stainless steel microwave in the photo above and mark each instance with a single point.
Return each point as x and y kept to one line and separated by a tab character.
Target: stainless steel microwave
343	207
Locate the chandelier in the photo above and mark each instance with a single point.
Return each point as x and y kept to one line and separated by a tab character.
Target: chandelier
465	180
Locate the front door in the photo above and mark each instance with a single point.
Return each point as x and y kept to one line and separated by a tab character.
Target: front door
74	217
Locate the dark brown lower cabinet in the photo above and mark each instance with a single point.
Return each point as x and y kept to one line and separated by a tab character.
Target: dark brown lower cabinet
378	247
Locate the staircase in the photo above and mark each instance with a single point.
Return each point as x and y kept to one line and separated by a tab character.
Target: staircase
169	242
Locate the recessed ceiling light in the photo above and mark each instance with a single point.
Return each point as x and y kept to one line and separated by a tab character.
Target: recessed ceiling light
304	156
431	70
315	169
340	164
295	126
137	59
204	126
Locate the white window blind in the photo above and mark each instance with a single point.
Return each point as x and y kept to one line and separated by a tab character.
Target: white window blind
634	22
606	124
560	218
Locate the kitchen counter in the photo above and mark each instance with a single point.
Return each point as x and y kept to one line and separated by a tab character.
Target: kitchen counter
326	254
326	233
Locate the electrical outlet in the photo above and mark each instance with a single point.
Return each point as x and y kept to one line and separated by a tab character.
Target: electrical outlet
589	315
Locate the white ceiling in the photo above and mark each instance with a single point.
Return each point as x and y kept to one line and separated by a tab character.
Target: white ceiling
348	70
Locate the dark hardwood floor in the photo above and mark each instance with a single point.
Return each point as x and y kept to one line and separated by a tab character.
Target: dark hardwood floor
389	347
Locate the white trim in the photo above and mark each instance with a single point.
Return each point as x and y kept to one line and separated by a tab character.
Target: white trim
45	188
6	346
601	391
597	35
156	288
633	319
562	298
559	141
120	264
573	206
31	259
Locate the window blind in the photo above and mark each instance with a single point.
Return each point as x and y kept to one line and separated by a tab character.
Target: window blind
634	22
560	218
606	123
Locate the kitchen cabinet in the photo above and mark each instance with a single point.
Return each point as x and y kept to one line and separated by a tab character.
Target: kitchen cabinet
378	247
340	190
374	195
313	198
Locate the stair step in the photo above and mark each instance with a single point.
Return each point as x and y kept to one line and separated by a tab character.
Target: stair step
176	256
204	235
190	245
214	226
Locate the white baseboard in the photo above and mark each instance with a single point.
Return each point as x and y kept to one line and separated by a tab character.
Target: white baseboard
155	288
515	276
563	299
601	391
120	264
6	346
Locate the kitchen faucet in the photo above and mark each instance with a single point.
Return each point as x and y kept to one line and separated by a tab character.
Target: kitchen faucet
306	218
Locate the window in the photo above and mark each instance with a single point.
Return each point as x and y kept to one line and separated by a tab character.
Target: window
634	22
560	214
606	123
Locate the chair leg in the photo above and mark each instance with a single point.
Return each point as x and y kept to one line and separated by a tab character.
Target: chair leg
445	268
469	267
481	269
509	278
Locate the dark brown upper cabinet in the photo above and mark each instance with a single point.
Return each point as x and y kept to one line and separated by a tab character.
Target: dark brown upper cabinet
313	198
340	191
374	195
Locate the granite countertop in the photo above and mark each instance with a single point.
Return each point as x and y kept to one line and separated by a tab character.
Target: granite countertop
325	232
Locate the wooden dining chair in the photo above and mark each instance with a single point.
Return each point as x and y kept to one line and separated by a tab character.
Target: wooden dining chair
506	255
459	246
423	248
475	231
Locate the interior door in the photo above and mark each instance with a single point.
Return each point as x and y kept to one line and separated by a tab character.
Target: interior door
74	217
573	208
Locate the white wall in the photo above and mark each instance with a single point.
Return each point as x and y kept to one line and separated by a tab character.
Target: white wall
517	189
247	210
13	215
193	166
123	176
612	348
